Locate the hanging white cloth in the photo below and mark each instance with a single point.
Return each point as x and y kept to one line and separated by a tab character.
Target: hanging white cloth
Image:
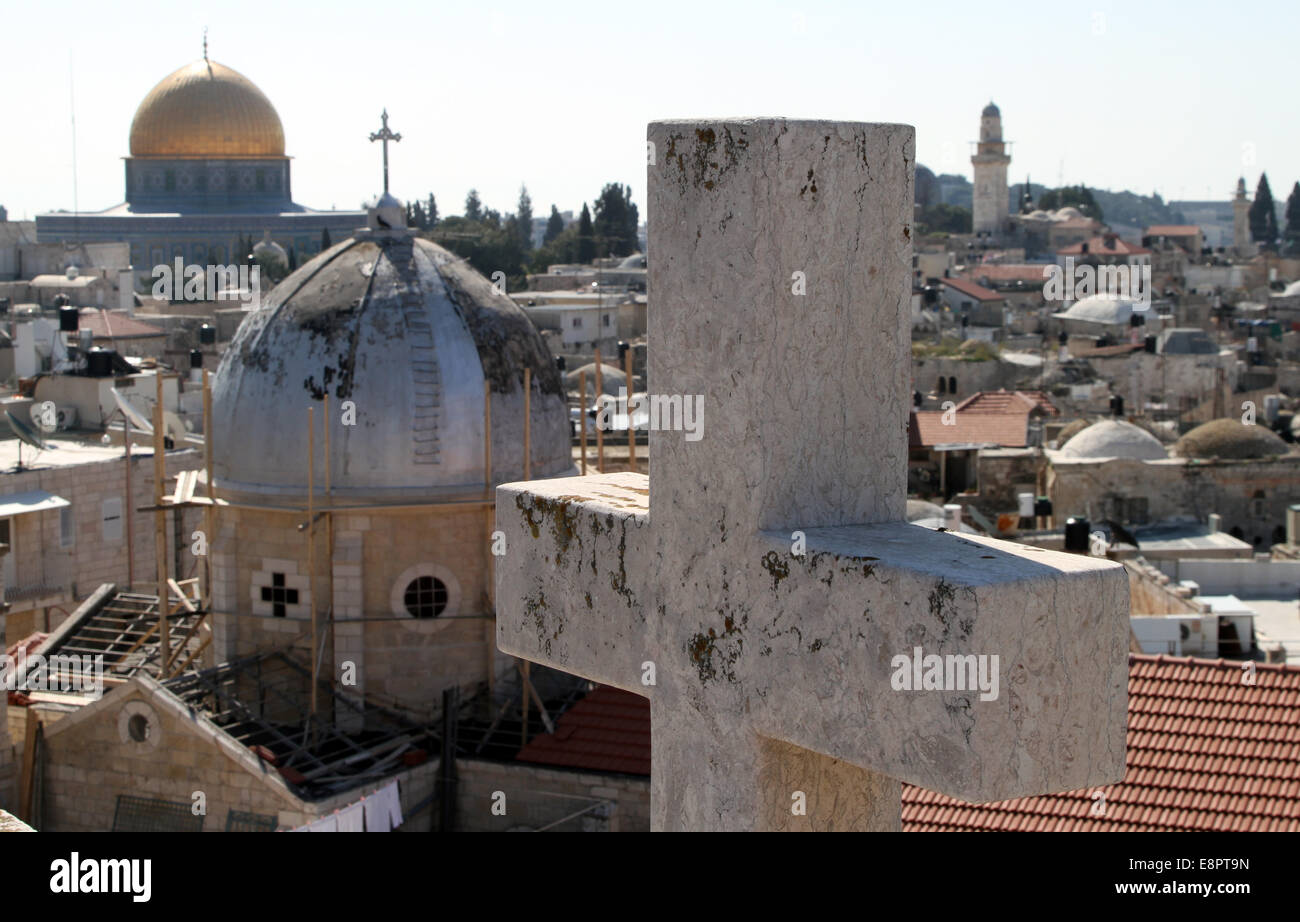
325	824
351	818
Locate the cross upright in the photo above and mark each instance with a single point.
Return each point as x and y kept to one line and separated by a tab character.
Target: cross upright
384	135
763	595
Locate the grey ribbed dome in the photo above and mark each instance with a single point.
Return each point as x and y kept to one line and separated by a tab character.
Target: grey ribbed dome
408	333
991	110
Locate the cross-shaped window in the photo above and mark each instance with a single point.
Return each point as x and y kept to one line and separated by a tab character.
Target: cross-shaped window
279	595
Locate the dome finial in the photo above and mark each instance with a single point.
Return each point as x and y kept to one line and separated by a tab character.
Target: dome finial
205	43
385	135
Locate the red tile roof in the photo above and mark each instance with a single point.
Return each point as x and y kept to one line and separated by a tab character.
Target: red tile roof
986	418
1026	272
1205	752
1104	246
1172	230
967	287
112	324
607	731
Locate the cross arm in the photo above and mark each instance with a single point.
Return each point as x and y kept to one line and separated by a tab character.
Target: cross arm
979	668
570	588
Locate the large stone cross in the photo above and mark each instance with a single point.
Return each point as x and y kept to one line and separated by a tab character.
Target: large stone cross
769	587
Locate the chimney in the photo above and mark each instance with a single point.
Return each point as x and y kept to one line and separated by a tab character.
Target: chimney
1292	523
1215	523
952	516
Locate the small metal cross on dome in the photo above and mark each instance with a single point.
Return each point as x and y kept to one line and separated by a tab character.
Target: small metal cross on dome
385	135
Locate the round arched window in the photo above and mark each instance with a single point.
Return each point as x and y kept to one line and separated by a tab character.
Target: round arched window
138	728
425	597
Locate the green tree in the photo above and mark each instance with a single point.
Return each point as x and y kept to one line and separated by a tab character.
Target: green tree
615	221
524	218
586	238
488	248
563	248
432	211
1292	233
473	207
554	226
1263	215
1077	196
941	218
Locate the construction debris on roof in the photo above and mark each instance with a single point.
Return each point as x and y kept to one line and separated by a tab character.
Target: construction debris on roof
124	628
1206	751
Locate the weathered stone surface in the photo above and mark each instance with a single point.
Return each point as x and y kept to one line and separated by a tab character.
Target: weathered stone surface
773	669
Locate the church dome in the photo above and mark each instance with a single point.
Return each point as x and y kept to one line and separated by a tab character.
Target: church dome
1231	439
1114	438
991	111
205	109
402	335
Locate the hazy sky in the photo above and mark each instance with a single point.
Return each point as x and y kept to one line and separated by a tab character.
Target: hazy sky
1173	97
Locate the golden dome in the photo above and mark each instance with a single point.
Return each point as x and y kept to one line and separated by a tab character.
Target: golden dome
205	109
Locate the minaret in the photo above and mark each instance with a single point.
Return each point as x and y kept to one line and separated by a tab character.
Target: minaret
1241	245
990	162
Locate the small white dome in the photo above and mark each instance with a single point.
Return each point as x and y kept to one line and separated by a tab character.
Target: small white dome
1102	308
1068	213
1114	438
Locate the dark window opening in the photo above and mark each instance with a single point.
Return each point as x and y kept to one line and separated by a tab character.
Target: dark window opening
279	595
138	727
426	597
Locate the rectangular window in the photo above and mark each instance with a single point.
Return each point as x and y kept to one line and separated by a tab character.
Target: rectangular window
111	516
577	323
605	318
67	527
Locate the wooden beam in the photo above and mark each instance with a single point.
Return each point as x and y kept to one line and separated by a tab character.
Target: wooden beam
188	634
600	434
160	517
627	409
311	549
209	518
203	646
582	416
530	689
182	595
27	783
528	424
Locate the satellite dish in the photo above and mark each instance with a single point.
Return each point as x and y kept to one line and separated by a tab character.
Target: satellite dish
135	416
26	433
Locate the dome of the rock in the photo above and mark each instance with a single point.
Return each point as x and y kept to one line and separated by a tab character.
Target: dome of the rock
206	110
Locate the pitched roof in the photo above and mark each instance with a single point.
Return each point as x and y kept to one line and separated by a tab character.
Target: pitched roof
1006	272
114	325
607	731
986	418
967	287
1102	245
1205	752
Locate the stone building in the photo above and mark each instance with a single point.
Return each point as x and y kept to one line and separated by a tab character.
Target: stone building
990	162
402	337
1243	473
